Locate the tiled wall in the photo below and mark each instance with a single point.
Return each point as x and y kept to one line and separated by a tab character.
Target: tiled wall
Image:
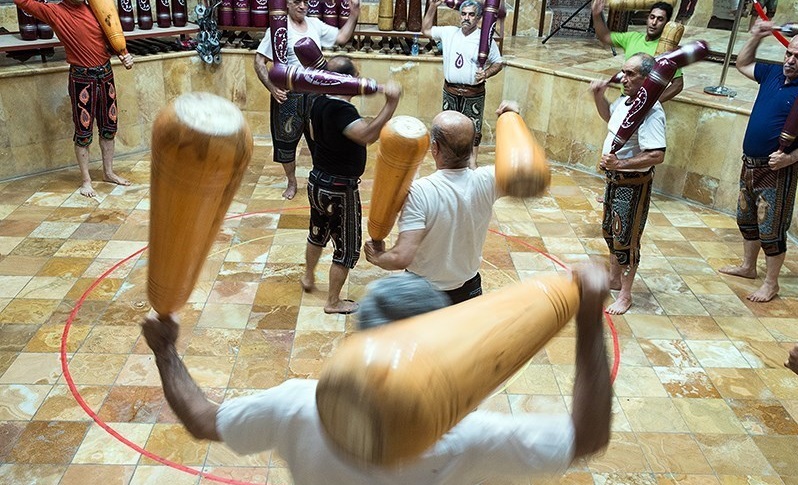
35	126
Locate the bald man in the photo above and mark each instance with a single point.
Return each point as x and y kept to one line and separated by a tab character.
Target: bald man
444	221
480	447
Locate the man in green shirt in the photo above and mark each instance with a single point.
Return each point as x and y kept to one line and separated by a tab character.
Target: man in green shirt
634	42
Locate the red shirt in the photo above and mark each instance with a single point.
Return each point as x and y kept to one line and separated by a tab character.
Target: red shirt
76	27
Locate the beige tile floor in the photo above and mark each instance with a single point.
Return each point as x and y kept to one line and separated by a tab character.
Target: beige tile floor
700	397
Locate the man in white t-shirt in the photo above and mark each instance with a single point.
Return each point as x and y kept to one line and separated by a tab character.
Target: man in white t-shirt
290	112
464	80
445	218
483	445
629	176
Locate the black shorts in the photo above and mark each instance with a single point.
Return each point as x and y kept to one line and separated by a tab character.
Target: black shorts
470	289
288	122
335	214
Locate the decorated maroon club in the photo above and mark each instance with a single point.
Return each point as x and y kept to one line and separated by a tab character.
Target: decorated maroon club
329	12
490	15
278	29
653	86
226	13
309	54
302	80
314	9
683	56
343	12
259	13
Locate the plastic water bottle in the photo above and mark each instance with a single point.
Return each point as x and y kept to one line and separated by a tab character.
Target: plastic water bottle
414	47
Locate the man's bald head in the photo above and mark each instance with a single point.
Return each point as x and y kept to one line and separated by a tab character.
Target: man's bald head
452	139
341	65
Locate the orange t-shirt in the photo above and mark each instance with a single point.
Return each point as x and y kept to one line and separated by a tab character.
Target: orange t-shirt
77	29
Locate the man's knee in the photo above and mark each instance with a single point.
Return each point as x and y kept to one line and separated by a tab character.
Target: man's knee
82	141
774	248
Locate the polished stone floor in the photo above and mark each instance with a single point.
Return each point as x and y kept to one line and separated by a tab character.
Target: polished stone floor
701	396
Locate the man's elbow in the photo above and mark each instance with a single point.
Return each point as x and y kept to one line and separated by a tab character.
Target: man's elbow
203	426
678	86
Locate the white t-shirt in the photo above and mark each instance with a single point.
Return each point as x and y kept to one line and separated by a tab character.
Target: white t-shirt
454	207
322	34
649	136
460	53
482	445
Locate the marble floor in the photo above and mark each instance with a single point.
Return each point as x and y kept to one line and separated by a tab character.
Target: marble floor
701	396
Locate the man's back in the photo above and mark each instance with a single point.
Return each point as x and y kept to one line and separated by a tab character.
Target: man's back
454	208
482	445
77	29
334	153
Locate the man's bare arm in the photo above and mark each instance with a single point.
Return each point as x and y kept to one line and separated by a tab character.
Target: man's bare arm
746	59
398	257
600	26
262	70
429	17
674	88
598	88
185	398
592	395
365	132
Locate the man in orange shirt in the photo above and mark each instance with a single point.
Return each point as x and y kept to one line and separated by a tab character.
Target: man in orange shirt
91	81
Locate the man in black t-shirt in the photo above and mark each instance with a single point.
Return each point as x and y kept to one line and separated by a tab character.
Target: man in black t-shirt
340	136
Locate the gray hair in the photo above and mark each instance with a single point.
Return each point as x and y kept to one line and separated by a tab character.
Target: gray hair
396	297
646	63
472	3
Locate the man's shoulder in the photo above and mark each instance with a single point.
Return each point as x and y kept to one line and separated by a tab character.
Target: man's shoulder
444	30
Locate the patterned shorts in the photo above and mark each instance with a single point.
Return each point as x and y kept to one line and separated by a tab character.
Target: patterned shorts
627	196
288	122
335	214
93	95
471	106
765	204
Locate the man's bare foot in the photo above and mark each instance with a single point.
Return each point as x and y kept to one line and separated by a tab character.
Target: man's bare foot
766	292
600	199
739	271
792	360
289	192
86	190
113	178
344	307
308	284
621	305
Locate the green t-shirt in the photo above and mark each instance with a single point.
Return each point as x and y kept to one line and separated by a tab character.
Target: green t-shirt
634	42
